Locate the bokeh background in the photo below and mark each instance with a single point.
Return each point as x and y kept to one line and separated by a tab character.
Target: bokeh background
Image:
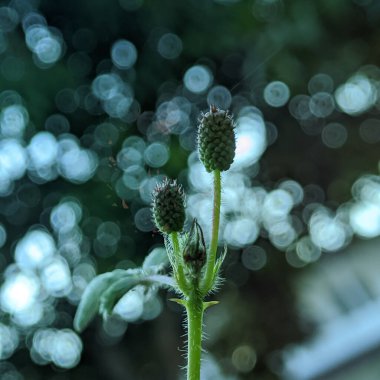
100	100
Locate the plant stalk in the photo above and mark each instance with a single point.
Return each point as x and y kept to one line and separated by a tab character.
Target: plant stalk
211	257
194	309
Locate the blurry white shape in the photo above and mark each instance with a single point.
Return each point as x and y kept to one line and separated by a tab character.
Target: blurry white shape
13	159
322	104
131	305
62	347
277	204
29	316
9	19
55	277
63	217
123	54
250	141
327	232
78	165
106	86
365	219
294	189
19	292
199	178
254	257
367	188
42	150
169	46
34	249
320	82
356	95
220	97
13	120
276	94
108	233
156	155
281	234
241	232
307	251
244	358
3	235
197	79
48	49
8	341
334	135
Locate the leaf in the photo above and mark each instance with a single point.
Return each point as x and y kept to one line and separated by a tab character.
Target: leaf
89	304
113	294
156	260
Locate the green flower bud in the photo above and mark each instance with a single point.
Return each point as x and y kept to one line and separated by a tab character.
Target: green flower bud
169	207
194	253
216	140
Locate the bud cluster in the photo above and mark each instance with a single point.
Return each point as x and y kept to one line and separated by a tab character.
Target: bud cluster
216	140
169	207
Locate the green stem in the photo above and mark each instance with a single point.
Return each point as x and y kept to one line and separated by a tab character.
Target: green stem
194	309
209	274
178	270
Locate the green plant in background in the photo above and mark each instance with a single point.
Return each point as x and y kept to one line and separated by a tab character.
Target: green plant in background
195	266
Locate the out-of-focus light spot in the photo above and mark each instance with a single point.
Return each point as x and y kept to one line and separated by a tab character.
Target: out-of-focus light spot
34	249
8	341
106	86
13	159
152	308
241	232
109	233
277	204
65	216
13	120
293	259
143	219
197	79
369	131
33	18
19	292
131	305
244	358
356	96
322	104
276	94
3	235
169	46
327	232
29	316
281	234
156	155
294	189
42	150
307	251
67	100
62	347
106	134
55	277
128	157
123	54
272	133
334	135
320	83
76	164
365	219
9	19
254	257
57	124
147	186
220	97
250	141
299	107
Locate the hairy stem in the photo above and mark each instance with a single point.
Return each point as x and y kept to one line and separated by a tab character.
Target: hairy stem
178	269
194	309
209	274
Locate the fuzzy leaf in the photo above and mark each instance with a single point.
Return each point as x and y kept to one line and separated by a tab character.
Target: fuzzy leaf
89	304
156	260
113	294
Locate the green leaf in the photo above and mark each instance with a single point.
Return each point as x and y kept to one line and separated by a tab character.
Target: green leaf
156	260
113	294
89	304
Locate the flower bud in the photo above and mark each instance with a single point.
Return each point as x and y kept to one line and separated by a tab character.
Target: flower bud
169	207
216	140
194	253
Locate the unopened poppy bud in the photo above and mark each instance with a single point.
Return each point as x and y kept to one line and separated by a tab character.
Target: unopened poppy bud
216	140
169	207
194	253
